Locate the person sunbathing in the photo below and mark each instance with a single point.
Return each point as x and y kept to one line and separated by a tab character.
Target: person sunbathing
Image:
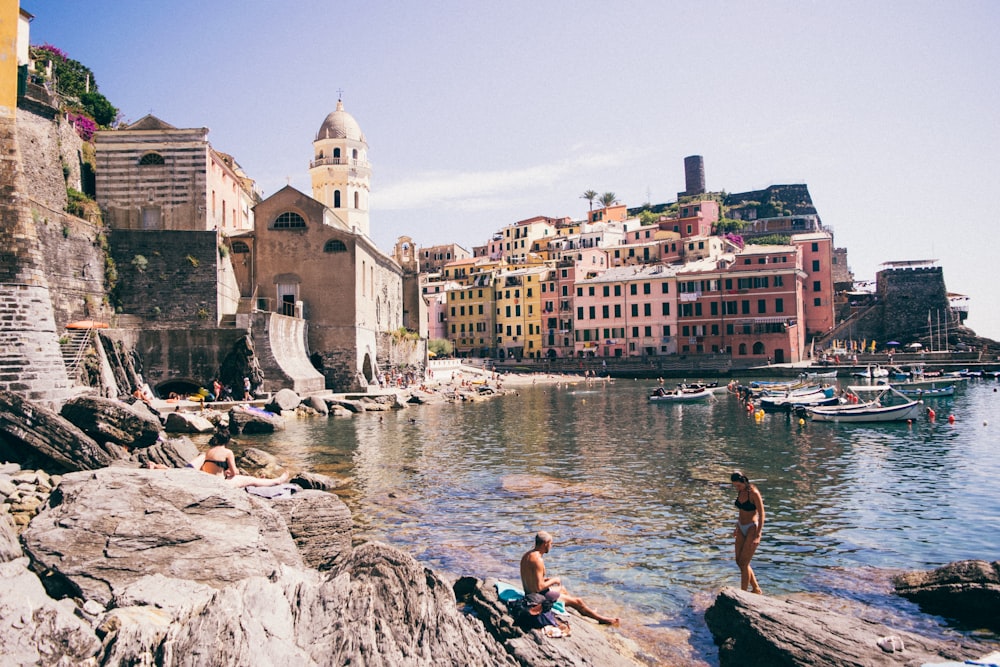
219	460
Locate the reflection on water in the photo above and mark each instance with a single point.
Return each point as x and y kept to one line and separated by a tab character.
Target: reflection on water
637	496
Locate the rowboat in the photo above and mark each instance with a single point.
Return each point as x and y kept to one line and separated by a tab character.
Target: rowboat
792	400
885	407
816	375
925	392
680	395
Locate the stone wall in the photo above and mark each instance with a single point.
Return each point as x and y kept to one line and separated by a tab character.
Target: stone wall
41	142
191	355
280	344
907	295
73	252
31	363
169	278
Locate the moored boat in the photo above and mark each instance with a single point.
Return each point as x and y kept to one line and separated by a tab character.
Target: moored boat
680	395
793	400
888	406
925	392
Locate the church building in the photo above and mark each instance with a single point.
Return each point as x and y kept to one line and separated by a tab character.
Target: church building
312	257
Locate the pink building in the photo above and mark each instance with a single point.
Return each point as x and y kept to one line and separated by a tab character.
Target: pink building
817	296
693	219
626	312
748	305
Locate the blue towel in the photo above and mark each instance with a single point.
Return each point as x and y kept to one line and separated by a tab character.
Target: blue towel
507	592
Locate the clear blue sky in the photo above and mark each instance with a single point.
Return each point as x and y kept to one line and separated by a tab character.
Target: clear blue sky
481	114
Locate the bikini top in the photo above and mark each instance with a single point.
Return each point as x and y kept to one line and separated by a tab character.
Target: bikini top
747	506
221	465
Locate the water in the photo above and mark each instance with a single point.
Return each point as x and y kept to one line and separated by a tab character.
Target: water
637	498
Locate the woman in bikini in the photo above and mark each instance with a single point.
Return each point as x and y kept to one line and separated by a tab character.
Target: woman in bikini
748	528
219	461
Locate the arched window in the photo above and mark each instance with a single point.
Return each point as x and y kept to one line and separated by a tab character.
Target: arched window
320	156
336	152
355	154
758	348
289	220
240	248
150	158
336	198
335	245
356	200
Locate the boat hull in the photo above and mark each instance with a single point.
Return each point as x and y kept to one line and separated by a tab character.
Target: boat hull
866	413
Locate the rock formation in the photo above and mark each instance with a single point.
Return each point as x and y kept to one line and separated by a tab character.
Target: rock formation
967	591
764	631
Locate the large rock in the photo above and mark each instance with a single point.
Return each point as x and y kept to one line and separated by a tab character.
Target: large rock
588	644
763	631
284	399
320	524
106	528
108	420
171	453
967	591
37	630
253	420
187	422
380	608
10	546
35	436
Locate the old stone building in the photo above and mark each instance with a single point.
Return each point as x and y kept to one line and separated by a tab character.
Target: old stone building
312	257
154	176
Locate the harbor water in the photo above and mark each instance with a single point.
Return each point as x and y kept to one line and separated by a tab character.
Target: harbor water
636	495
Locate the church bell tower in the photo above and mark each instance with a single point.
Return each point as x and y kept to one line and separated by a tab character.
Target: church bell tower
340	173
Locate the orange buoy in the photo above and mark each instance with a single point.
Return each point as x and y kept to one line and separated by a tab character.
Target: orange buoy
951	419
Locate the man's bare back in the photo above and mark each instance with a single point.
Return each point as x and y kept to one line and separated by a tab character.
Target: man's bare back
533	580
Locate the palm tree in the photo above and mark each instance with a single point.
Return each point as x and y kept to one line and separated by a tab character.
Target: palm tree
590	195
609	199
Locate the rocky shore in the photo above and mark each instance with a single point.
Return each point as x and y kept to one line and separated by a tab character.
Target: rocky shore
105	560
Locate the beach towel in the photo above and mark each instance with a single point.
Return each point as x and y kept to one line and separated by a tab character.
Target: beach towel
508	593
279	491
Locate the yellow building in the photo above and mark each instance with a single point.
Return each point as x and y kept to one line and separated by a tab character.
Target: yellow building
519	312
470	322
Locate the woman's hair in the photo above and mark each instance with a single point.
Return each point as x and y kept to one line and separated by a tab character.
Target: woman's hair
737	476
221	436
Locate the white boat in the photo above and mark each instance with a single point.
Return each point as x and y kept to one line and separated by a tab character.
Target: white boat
920	389
815	375
680	395
786	403
870	371
888	406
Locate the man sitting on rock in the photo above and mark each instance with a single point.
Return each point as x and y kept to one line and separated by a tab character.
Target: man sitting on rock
533	580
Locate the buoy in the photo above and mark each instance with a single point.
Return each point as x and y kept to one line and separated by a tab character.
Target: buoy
801	421
931	414
951	419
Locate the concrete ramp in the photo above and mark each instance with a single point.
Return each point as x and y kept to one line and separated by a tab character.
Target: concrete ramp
280	345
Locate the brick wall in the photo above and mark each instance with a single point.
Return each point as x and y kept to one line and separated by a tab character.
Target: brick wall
907	295
31	363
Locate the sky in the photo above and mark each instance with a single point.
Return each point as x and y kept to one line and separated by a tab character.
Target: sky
479	115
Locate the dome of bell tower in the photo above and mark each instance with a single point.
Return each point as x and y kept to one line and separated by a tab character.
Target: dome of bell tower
340	125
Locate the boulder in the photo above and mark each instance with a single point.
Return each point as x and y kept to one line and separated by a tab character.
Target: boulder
320	524
284	399
258	463
763	631
172	453
588	644
380	608
37	630
966	591
315	480
10	547
33	435
253	420
319	405
187	422
349	405
106	528
109	420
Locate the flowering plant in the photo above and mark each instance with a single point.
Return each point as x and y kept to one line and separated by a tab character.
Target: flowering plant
54	51
84	125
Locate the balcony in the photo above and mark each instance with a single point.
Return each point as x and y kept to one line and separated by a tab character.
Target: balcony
337	161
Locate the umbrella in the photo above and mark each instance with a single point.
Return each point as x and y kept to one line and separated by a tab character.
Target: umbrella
893	342
914	346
